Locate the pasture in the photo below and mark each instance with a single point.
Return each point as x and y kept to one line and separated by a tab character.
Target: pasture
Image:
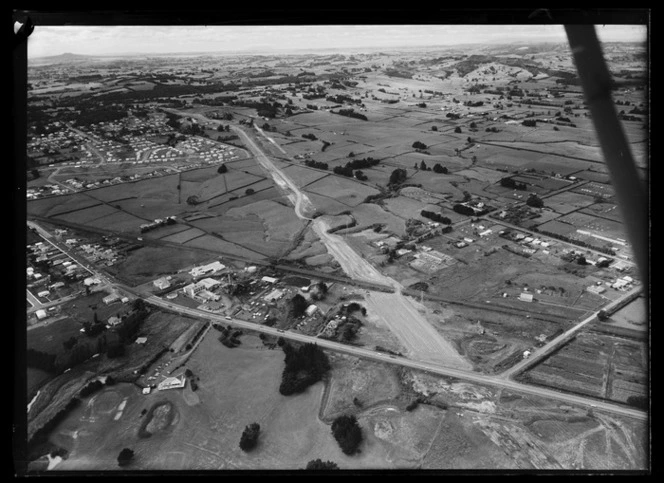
342	189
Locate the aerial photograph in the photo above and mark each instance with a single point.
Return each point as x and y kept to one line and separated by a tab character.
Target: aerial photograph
335	247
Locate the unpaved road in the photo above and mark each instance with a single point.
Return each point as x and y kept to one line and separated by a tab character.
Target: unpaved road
421	340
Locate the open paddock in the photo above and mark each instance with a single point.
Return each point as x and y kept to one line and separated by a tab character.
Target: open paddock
87	215
478	173
183	236
546	183
557	227
166	230
327	205
213	243
303	175
258	187
163	189
367	214
595	176
150	209
345	190
56	205
117	221
224	203
568	201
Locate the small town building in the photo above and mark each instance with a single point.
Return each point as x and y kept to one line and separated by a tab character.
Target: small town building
146	390
41	314
43	293
275	295
213	267
141	340
526	297
172	383
109	299
270	280
113	321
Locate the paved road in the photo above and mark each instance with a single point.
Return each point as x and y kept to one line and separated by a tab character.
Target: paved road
400	361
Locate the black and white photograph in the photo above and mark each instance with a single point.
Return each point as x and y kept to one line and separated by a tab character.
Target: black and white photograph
264	245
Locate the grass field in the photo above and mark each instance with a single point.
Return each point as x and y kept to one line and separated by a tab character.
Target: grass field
344	190
60	204
210	242
183	236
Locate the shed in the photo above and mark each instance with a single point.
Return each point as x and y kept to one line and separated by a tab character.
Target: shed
526	297
41	314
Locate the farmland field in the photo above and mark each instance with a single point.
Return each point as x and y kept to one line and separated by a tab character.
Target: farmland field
213	243
60	204
183	236
346	191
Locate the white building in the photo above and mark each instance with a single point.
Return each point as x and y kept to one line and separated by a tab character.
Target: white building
41	314
172	383
526	297
311	310
162	283
269	279
205	269
109	299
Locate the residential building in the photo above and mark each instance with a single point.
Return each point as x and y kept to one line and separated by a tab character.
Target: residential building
269	279
162	283
172	383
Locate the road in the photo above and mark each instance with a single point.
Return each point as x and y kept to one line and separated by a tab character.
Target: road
546	349
400	361
418	336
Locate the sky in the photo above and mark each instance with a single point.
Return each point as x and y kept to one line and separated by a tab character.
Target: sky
110	40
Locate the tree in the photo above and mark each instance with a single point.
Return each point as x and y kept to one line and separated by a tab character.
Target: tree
457	129
423	166
419	145
534	201
398	176
348	433
249	191
473	125
319	464
298	304
125	457
437	168
35	173
222	169
249	438
361	176
434	128
139	305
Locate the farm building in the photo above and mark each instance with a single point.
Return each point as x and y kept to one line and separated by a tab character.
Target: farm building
205	269
269	279
172	383
43	293
526	297
276	294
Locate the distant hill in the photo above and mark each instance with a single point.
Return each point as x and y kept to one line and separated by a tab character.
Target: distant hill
66	58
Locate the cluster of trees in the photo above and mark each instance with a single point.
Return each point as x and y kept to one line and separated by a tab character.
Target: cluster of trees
463	209
398	176
529	122
510	183
356	164
40	360
310	136
297	305
534	201
305	366
350	113
419	145
438	168
91	388
473	104
222	169
435	217
319	464
229	337
348	433
316	164
249	438
125	457
40	437
100	113
453	115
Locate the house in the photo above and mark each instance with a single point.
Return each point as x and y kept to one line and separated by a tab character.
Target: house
311	310
91	281
526	297
109	299
597	289
41	314
270	280
146	390
124	300
162	283
43	293
172	383
113	321
141	340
